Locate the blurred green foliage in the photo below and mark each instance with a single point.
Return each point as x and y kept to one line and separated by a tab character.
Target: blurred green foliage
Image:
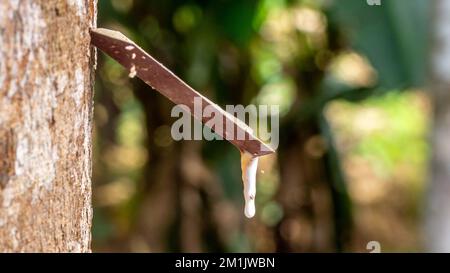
154	194
393	37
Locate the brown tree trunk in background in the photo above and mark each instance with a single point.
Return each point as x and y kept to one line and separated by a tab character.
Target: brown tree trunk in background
305	194
46	84
438	213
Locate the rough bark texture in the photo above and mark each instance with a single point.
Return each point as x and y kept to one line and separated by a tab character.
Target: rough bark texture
46	85
438	213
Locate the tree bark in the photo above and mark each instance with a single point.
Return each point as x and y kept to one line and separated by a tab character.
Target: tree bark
438	211
46	91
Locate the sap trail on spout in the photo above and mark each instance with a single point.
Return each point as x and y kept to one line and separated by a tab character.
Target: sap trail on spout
249	166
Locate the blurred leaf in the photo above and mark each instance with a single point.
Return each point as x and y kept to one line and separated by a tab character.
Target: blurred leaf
235	19
392	36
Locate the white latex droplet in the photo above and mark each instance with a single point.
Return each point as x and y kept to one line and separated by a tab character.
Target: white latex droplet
249	166
132	73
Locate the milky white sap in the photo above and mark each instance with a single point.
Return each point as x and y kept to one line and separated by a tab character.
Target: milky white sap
249	165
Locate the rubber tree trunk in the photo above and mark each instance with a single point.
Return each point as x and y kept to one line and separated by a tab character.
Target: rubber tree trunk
438	212
46	90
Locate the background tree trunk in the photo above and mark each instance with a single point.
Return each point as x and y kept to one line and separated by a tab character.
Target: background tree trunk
46	84
438	213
